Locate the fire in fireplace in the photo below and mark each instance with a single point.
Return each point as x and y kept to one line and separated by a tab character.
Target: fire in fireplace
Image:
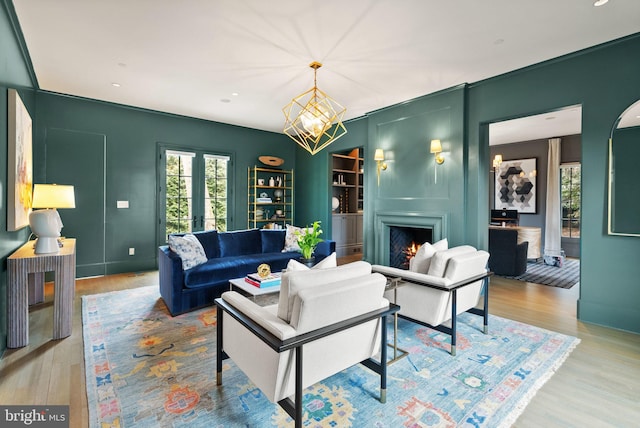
404	242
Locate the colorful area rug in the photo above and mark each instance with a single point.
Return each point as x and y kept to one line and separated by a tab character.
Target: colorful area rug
565	276
145	368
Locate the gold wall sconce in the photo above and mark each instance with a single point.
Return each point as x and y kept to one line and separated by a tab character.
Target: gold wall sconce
380	164
436	149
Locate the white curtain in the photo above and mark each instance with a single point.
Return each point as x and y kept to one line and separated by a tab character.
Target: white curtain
553	221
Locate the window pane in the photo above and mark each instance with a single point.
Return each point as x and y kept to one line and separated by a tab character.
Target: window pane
215	192
570	194
178	200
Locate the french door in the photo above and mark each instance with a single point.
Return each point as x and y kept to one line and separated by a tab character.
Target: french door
193	191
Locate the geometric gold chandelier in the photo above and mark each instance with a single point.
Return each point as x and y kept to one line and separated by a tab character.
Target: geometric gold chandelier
313	119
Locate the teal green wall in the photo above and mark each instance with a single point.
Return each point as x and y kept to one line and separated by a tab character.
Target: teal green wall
131	140
604	80
413	183
15	72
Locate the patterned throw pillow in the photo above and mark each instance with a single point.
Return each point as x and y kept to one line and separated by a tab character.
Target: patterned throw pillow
422	260
291	238
190	250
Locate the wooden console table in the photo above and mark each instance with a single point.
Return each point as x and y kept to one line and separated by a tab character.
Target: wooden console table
25	272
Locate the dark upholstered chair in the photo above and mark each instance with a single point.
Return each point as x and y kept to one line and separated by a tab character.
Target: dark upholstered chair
507	257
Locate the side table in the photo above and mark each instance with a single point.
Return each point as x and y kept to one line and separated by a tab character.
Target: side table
398	353
25	273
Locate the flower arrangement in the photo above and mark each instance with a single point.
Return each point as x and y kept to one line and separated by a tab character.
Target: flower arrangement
309	238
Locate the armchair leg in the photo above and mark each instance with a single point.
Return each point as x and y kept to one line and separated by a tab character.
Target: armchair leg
298	396
383	360
454	310
486	306
219	351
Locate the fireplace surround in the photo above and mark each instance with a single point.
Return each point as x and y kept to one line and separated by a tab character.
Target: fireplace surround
384	221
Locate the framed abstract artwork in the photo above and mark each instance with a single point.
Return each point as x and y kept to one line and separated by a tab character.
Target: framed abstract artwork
20	164
515	186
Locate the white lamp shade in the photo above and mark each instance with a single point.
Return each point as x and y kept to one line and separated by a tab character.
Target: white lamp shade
436	146
53	196
379	155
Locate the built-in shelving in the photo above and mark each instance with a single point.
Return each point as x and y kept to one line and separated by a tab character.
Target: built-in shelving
348	189
270	197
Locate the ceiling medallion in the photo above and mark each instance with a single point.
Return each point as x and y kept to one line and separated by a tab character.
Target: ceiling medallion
314	119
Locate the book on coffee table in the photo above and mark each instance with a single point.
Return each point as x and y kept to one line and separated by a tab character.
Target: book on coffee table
271	280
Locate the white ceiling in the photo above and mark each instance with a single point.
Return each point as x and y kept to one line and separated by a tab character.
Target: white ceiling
558	123
192	57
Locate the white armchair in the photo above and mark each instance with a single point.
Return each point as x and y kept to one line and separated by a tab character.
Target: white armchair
335	317
452	285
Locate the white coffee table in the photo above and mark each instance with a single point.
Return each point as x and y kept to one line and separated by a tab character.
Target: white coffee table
252	289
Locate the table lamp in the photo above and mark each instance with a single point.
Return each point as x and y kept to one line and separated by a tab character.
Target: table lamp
46	223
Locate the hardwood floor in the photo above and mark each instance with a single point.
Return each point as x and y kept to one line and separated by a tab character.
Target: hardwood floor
597	386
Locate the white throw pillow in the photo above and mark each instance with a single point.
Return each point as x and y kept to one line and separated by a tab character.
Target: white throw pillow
422	260
441	258
190	250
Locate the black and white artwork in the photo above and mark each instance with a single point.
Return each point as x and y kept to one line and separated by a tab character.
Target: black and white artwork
516	185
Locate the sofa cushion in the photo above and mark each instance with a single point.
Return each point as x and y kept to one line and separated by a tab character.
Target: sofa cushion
215	270
190	250
422	260
240	243
440	259
272	240
294	281
209	241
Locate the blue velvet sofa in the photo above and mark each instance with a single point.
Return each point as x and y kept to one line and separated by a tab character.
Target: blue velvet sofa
230	255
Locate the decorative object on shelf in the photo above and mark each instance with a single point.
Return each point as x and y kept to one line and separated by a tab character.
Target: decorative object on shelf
264	270
260	181
335	203
279	181
313	119
264	195
515	185
279	213
271	160
308	239
436	149
259	214
278	194
380	163
272	182
46	223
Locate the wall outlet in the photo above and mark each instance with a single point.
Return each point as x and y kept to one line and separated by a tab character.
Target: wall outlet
132	251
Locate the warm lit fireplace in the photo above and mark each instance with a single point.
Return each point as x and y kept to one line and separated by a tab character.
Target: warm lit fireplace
404	242
395	231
